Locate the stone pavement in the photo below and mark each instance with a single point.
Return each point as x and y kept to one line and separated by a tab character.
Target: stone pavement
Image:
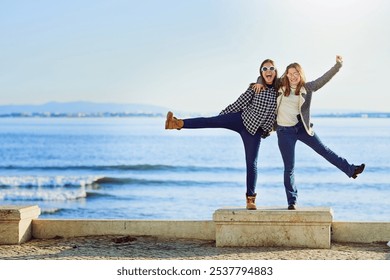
152	248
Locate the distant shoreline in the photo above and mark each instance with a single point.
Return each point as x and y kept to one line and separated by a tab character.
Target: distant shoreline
159	115
84	109
80	115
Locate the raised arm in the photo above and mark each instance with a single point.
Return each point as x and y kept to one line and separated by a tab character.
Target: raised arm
321	81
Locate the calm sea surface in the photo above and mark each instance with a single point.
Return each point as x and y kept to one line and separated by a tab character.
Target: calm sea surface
132	168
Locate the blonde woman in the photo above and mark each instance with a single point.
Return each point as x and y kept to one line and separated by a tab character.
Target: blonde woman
293	124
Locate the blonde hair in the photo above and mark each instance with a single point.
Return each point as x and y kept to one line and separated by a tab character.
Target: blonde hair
286	83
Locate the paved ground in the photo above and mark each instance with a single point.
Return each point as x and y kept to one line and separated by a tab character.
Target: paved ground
148	248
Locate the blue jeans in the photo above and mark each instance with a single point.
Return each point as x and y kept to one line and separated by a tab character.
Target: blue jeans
287	138
233	121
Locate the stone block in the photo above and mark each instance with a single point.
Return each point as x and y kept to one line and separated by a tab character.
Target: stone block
274	227
16	223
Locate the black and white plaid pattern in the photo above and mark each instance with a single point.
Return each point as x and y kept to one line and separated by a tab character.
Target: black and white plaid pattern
258	110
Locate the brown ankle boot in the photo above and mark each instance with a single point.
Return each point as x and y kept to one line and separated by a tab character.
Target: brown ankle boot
172	122
250	202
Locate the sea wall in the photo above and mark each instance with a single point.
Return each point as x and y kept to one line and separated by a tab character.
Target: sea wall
204	230
361	232
18	224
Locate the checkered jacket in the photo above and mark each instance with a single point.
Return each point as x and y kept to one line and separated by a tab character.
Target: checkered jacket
258	110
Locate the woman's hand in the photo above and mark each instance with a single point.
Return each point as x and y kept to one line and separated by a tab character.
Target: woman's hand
258	87
339	59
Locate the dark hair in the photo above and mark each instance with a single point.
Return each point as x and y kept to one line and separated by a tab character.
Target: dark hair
276	70
286	83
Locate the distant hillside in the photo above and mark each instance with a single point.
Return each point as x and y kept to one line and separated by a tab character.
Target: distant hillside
82	107
92	109
354	115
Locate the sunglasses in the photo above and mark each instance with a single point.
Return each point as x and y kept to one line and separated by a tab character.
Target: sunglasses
295	74
265	68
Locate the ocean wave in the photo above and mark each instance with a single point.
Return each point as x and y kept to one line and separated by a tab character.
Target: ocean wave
125	167
50	211
44	188
42	195
53	182
146	182
47	181
262	167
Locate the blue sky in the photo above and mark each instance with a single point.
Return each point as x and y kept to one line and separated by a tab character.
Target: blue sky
189	55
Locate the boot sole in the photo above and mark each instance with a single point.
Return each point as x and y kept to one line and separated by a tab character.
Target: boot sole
169	118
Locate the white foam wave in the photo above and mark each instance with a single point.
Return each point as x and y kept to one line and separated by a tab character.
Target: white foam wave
42	195
50	210
44	188
50	181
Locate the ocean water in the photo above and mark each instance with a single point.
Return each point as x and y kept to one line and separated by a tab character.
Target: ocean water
132	168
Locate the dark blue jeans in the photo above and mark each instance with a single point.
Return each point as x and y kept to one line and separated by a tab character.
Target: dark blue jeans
233	121
287	138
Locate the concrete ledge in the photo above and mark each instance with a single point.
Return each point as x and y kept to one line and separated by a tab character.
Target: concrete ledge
360	232
204	230
305	227
16	223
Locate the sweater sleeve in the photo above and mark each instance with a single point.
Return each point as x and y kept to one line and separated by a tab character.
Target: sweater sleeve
240	103
321	81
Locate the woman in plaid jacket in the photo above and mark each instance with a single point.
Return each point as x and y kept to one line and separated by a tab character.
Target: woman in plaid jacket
251	115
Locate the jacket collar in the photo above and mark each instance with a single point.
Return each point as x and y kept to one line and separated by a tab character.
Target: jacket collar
302	91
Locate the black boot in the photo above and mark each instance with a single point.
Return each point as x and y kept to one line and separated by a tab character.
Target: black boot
358	169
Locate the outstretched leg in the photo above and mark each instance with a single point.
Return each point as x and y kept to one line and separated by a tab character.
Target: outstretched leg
315	143
232	121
